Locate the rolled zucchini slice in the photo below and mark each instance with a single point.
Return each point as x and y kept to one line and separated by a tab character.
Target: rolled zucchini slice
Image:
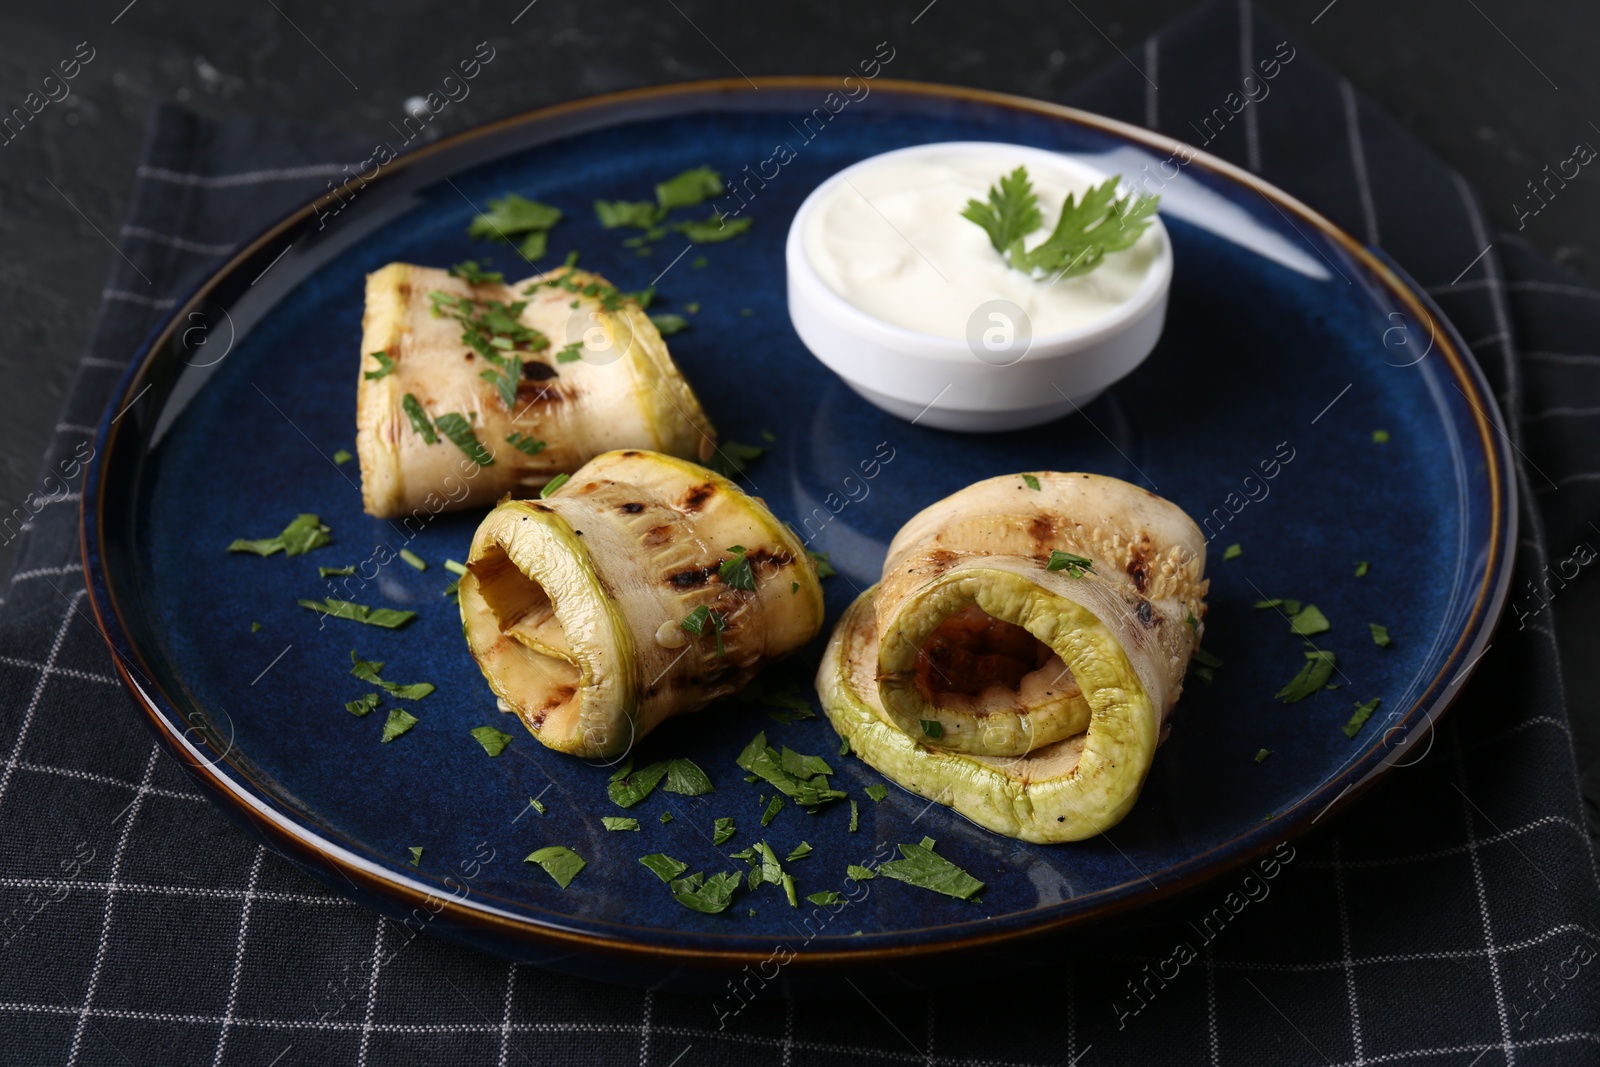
468	392
645	587
1022	654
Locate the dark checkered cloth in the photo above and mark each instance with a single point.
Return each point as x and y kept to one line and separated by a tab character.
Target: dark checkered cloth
1450	918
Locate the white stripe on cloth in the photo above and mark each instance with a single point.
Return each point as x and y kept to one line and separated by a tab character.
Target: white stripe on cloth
252	177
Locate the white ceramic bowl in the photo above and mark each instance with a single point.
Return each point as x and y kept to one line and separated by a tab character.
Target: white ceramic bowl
944	381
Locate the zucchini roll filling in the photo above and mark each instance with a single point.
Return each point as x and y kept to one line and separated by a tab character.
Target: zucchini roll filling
1020	657
643	588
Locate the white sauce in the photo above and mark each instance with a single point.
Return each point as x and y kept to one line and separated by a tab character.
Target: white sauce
891	240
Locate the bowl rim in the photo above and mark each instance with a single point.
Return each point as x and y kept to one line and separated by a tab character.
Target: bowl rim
383	888
862	323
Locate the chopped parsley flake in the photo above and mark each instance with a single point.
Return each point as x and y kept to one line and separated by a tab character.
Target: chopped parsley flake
1290	607
1312	677
571	353
736	572
709	895
1031	482
664	866
855	816
537	805
619	822
1262	754
388	618
801	778
689	188
385	367
1380	437
1204	664
493	741
685	778
559	862
877	792
665	817
628	786
825	568
800	852
255	627
1380	635
416	855
399	722
524	444
668	324
712	230
922	867
342	456
774	806
857	873
722	829
733	457
472	274
932	728
697	620
419	418
553	484
1308	621
1359	719
363	705
336	572
1075	566
515	216
826	897
367	671
455	426
639	214
1361	569
1233	551
454	568
412	559
306	532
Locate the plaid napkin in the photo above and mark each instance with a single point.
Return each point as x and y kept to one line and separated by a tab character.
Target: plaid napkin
1451	918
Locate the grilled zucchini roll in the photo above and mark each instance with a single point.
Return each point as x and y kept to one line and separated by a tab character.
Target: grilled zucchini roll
645	587
1020	657
468	392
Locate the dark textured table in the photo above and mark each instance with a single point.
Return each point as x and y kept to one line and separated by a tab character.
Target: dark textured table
1500	91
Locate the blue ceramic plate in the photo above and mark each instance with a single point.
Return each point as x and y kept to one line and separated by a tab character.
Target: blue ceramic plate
1287	345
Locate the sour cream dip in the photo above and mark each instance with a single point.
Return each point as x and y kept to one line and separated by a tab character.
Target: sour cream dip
891	240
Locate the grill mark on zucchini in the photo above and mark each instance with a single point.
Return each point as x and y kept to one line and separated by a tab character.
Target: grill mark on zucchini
696	498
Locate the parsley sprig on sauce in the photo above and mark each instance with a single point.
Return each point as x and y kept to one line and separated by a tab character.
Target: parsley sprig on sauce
1088	229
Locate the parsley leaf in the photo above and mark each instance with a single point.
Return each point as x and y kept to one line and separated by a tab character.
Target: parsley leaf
732	457
416	856
877	792
857	873
559	862
1380	437
640	214
399	722
571	353
522	443
470	273
736	572
669	324
1012	211
826	897
925	869
1204	664
1090	226
385	366
628	787
413	560
299	537
1031	482
388	618
855	816
1380	635
455	426
825	569
619	822
689	188
1233	551
708	895
365	704
419	418
537	805
1075	566
722	829
343	456
932	728
553	484
774	806
1312	677
685	778
1308	621
511	216
1359	719
664	866
367	671
713	230
800	852
1262	754
493	741
807	790
697	620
